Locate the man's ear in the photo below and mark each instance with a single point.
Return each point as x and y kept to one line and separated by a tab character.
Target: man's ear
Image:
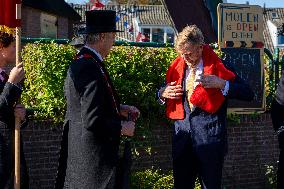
102	36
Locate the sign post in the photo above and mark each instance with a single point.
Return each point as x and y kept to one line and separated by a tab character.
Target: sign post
240	37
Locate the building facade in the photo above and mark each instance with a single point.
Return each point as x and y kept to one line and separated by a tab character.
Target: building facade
48	19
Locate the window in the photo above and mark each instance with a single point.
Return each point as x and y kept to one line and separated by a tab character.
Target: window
170	35
158	35
274	15
280	39
146	32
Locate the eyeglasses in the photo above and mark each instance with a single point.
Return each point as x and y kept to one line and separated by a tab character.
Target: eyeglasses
189	53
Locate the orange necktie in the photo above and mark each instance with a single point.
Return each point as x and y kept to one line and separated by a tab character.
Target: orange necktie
190	85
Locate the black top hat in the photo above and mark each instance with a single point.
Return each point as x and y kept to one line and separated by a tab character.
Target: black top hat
100	21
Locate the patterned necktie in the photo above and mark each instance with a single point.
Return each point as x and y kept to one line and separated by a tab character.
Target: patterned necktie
5	76
190	85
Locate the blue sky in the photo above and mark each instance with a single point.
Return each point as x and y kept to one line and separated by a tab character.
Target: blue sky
268	3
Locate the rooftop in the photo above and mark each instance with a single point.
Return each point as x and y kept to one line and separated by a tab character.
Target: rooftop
276	16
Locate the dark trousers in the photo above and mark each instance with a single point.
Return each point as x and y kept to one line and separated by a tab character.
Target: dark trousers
190	162
280	172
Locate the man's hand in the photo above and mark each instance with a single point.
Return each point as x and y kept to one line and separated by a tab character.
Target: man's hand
128	128
171	91
20	112
211	81
17	74
130	112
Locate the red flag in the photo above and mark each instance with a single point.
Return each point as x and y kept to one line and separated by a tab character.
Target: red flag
139	37
8	21
97	5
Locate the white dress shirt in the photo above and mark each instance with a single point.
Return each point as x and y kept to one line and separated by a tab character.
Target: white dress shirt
94	51
198	74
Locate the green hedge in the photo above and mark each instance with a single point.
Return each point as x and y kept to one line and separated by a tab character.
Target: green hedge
46	66
154	179
136	73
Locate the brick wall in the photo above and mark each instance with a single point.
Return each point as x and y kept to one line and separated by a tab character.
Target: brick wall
62	28
41	147
30	22
252	145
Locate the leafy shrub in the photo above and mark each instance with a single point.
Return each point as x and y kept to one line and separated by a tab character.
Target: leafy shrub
268	82
154	179
46	67
137	73
145	179
271	176
165	182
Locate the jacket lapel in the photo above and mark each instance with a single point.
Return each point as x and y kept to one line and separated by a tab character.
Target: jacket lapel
84	51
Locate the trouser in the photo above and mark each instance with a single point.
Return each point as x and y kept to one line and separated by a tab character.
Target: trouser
190	162
280	172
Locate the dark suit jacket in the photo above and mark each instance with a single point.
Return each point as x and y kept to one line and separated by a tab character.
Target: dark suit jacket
208	131
8	98
277	111
93	127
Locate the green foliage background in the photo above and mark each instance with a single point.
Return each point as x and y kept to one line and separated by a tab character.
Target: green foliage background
46	66
154	179
136	73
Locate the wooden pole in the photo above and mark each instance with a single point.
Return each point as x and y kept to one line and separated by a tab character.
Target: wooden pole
17	121
17	154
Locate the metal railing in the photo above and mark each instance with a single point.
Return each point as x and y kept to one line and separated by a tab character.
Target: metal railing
275	67
117	43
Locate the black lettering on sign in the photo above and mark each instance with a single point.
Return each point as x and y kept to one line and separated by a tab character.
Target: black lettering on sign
247	65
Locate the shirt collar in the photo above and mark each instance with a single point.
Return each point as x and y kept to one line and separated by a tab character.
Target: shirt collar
94	51
199	66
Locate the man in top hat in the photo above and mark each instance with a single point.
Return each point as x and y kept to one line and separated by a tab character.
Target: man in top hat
93	122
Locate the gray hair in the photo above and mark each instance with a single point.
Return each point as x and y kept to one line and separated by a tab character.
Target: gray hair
92	38
190	34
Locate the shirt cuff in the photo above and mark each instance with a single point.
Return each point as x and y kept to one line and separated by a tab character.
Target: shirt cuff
225	90
280	130
161	101
16	85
